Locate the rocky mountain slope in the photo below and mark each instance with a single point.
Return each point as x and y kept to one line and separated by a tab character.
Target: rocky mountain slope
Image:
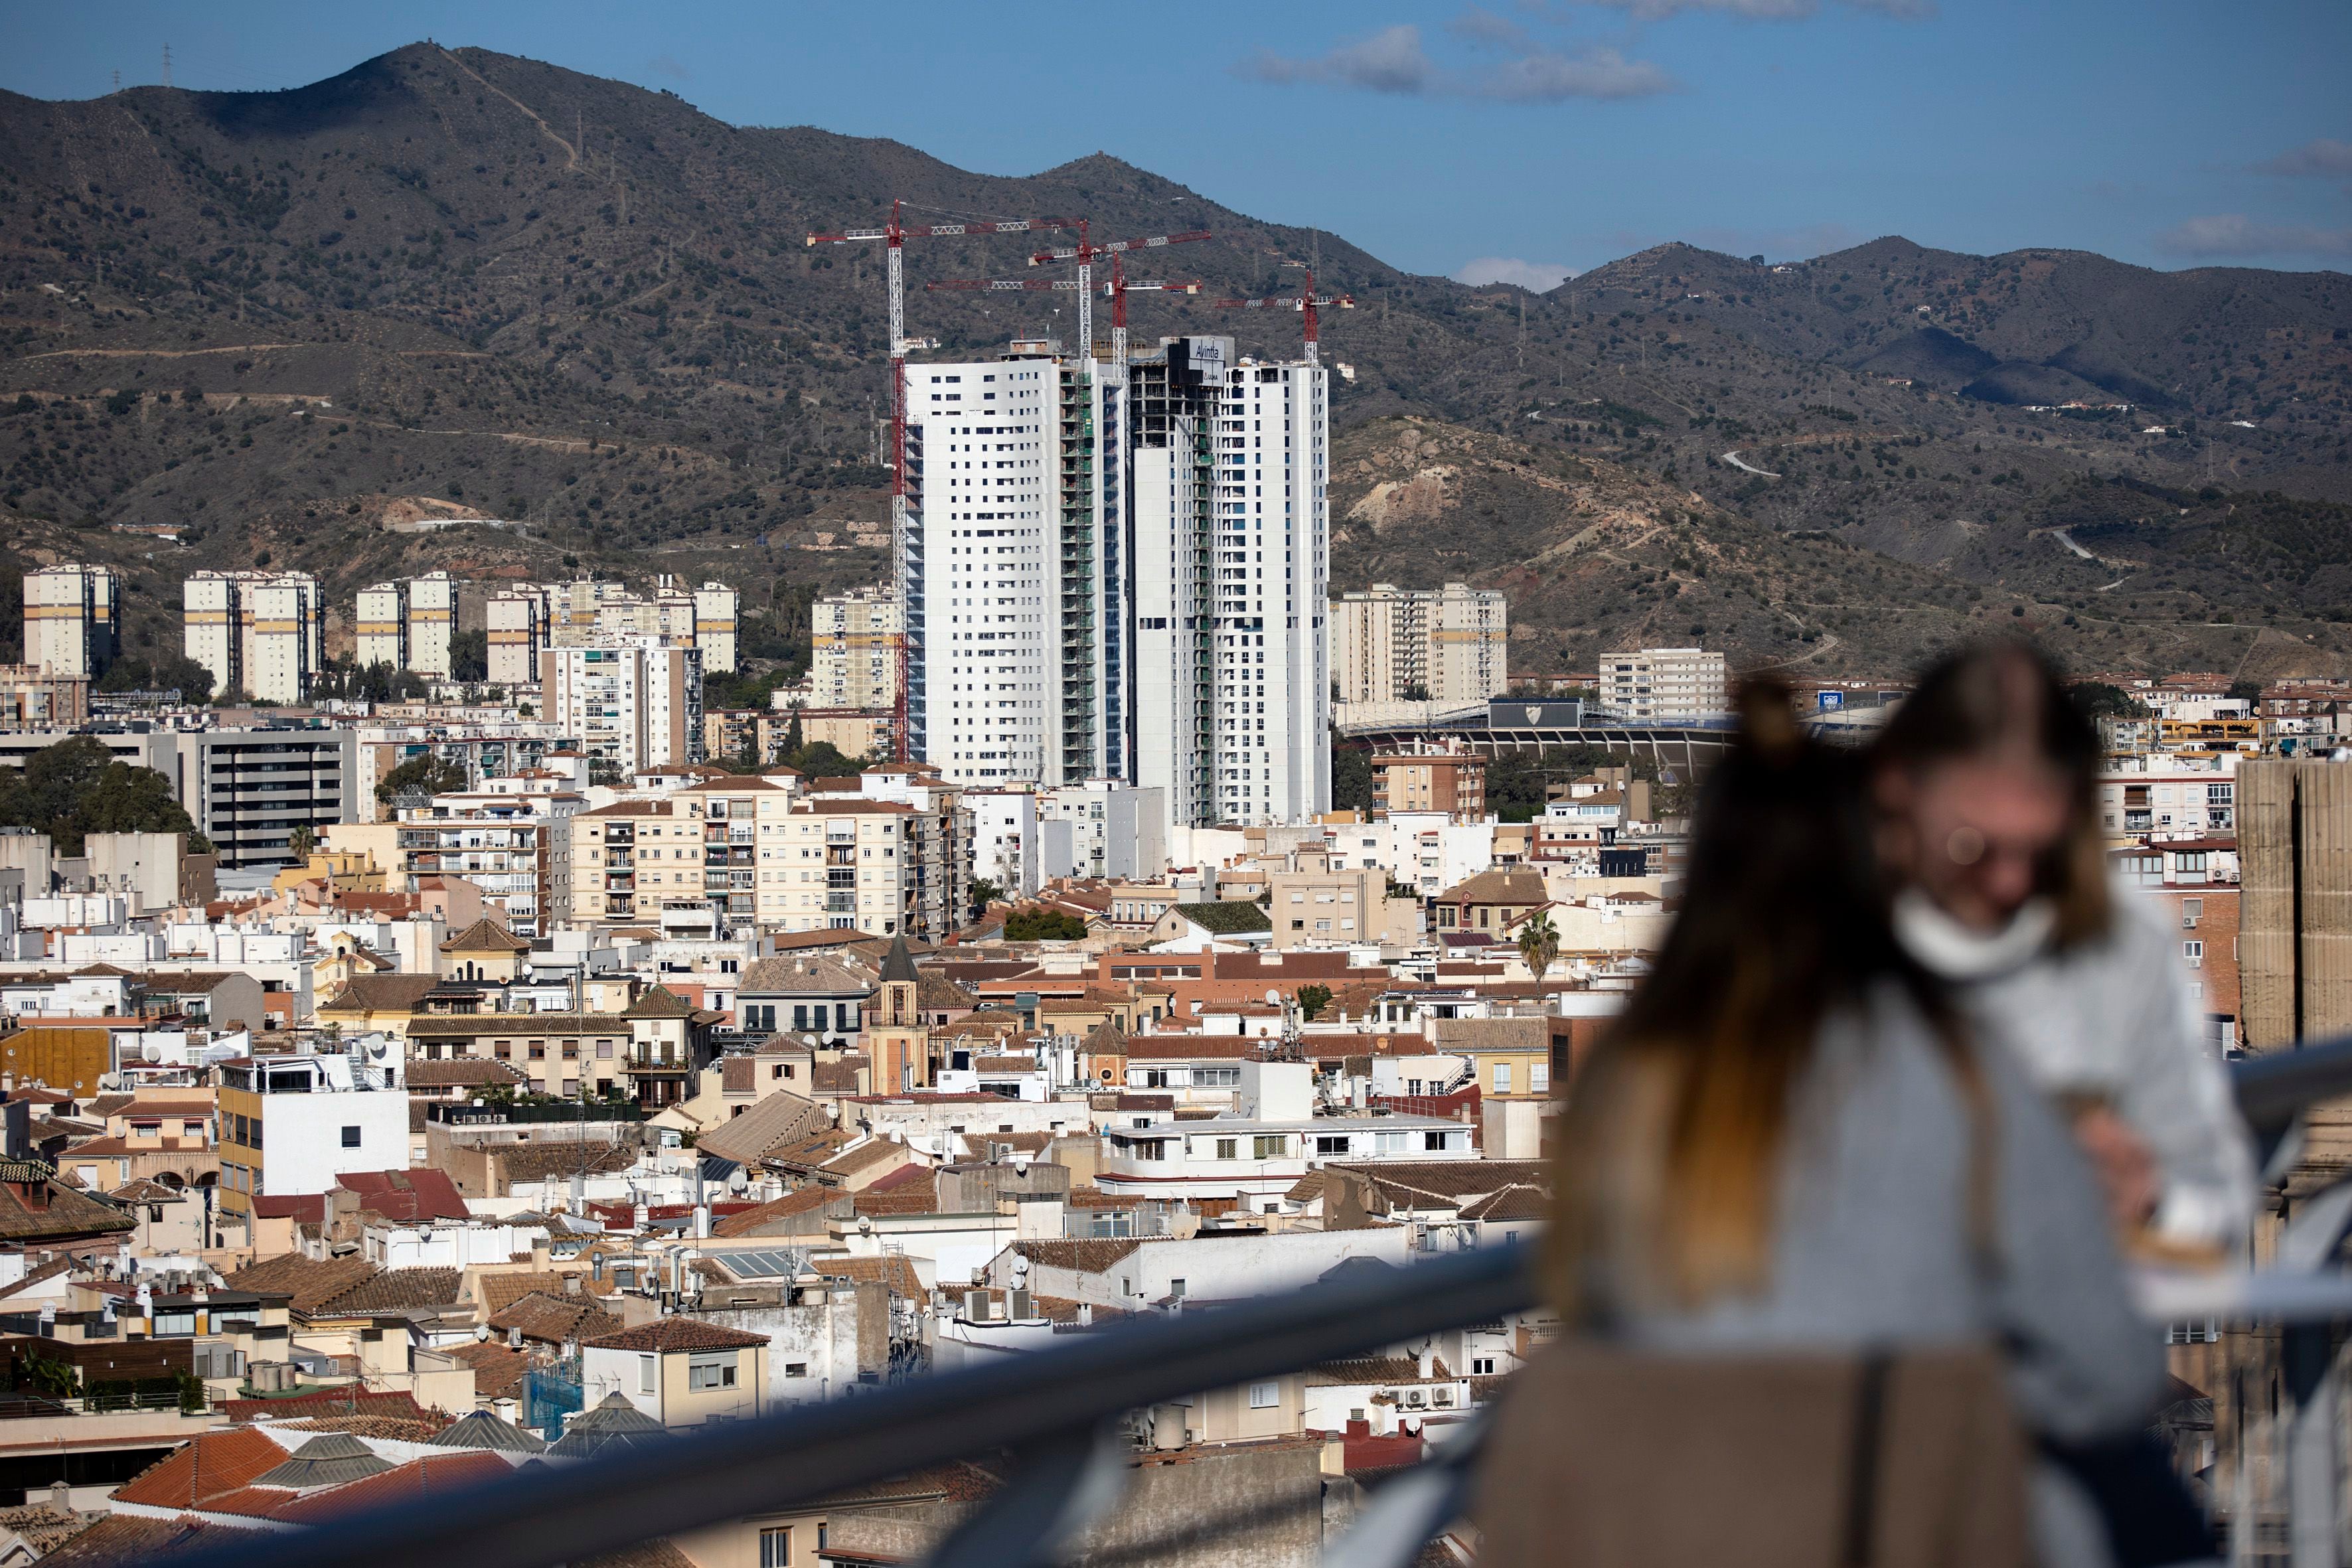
455	278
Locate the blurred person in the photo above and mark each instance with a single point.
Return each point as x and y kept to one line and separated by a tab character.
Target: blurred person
1791	1143
1986	786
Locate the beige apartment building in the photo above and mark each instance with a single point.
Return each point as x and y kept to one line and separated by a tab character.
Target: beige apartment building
517	631
1665	685
633	703
73	619
1327	908
260	633
1451	782
33	697
380	626
856	642
751	851
1447	645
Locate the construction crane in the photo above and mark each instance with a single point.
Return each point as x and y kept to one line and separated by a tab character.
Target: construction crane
895	235
1085	254
1306	302
1116	291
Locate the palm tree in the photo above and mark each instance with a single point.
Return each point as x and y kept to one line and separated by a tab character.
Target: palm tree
301	841
1539	942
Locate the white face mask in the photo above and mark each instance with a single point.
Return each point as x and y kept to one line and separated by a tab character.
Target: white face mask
1947	948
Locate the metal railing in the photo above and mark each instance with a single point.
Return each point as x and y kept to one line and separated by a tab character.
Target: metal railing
1056	1414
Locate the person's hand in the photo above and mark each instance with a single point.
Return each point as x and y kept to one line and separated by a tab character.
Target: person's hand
2126	1169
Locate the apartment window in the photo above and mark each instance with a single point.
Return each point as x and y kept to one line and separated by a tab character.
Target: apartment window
351	1137
1433	1140
776	1548
1331	1145
1269	1147
1482	1366
711	1371
647	1370
1539	1078
1229	1148
1265	1396
2194	952
795	1369
1502	1078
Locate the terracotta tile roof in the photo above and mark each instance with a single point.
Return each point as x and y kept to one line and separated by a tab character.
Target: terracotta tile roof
660	1002
894	1270
657	1552
1377	1369
756	1221
41	1525
1087	1257
666	1334
866	1156
461	1072
809	972
312	1283
496	1291
485	935
125	1539
416	1482
915	1195
208	1466
365	1426
537	1161
551	1320
395	1291
348	1399
380	994
768	1124
411	1195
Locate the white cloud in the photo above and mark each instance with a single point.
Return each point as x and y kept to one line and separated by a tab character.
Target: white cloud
1546	78
2325	158
1537	277
1390	61
2234	234
1393	61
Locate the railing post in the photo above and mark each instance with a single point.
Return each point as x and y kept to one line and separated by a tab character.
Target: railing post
2313	1482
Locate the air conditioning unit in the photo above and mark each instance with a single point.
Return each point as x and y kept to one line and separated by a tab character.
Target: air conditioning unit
2188	923
1020	1306
975	1306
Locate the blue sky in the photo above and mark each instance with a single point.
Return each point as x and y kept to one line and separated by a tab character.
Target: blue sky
1517	139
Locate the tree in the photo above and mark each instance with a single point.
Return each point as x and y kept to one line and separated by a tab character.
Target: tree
985	892
1312	999
1037	923
2097	700
301	841
1539	942
469	656
75	787
1351	778
434	775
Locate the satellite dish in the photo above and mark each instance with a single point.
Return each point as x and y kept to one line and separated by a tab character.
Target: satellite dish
152	1050
865	1223
1020	1267
1274	998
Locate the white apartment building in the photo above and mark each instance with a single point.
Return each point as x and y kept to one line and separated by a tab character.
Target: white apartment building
1014	571
515	846
1102	827
2170	797
517	631
260	633
1232	548
1448	645
1005	838
633	703
1255	1161
73	618
855	641
432	625
380	626
1665	685
715	609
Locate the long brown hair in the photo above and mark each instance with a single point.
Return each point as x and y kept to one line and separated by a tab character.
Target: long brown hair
1999	696
1681	1113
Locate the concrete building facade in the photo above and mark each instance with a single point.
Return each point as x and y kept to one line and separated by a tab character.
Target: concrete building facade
73	619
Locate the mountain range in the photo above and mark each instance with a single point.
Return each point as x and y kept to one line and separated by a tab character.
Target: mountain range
576	324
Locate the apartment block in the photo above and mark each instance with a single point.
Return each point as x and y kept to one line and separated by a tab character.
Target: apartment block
432	625
1448	645
751	851
290	1124
248	790
1453	782
380	626
516	632
632	704
1014	571
1665	685
72	620
259	633
1102	827
855	641
715	609
515	847
1231	658
35	697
